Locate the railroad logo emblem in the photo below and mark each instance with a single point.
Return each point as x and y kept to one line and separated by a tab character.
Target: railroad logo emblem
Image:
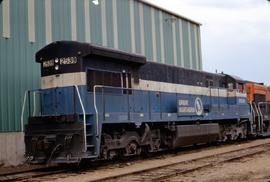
198	106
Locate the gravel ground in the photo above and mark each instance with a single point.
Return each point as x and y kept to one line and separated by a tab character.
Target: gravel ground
255	168
251	169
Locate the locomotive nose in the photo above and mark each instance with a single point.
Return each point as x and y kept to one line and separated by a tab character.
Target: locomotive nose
54	139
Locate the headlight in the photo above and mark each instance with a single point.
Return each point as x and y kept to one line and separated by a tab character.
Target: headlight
56	67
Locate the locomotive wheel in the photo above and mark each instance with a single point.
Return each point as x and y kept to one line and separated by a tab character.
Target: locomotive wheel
133	148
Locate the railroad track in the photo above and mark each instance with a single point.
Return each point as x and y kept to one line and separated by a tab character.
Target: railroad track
163	172
41	172
167	165
32	173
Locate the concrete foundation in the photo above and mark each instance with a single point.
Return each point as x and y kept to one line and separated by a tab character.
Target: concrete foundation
12	148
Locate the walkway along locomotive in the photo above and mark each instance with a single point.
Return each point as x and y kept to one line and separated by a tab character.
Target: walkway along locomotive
99	103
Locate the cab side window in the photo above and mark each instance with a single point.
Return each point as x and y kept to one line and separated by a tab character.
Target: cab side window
106	78
111	79
209	83
241	88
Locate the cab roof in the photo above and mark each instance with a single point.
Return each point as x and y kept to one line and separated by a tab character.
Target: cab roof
60	49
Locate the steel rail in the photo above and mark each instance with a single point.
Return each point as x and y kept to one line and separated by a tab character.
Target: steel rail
137	175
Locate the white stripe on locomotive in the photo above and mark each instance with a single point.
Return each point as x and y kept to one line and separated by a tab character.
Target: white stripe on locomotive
79	78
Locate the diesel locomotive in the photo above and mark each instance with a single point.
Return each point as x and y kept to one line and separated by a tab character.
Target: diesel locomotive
100	103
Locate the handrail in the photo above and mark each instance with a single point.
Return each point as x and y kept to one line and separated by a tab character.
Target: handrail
34	103
82	107
96	110
259	117
84	117
262	118
252	111
253	117
95	102
23	107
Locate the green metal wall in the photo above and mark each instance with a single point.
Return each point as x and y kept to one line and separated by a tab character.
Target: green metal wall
159	35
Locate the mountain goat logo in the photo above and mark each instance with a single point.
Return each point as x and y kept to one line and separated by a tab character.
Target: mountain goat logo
198	106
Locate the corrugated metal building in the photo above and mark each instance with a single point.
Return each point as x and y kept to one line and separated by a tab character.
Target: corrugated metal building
130	25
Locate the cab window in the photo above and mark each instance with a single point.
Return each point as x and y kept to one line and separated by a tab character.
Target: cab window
106	78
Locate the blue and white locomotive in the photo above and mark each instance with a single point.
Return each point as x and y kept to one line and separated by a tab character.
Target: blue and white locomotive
100	103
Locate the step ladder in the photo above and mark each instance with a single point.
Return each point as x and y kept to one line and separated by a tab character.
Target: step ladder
91	142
